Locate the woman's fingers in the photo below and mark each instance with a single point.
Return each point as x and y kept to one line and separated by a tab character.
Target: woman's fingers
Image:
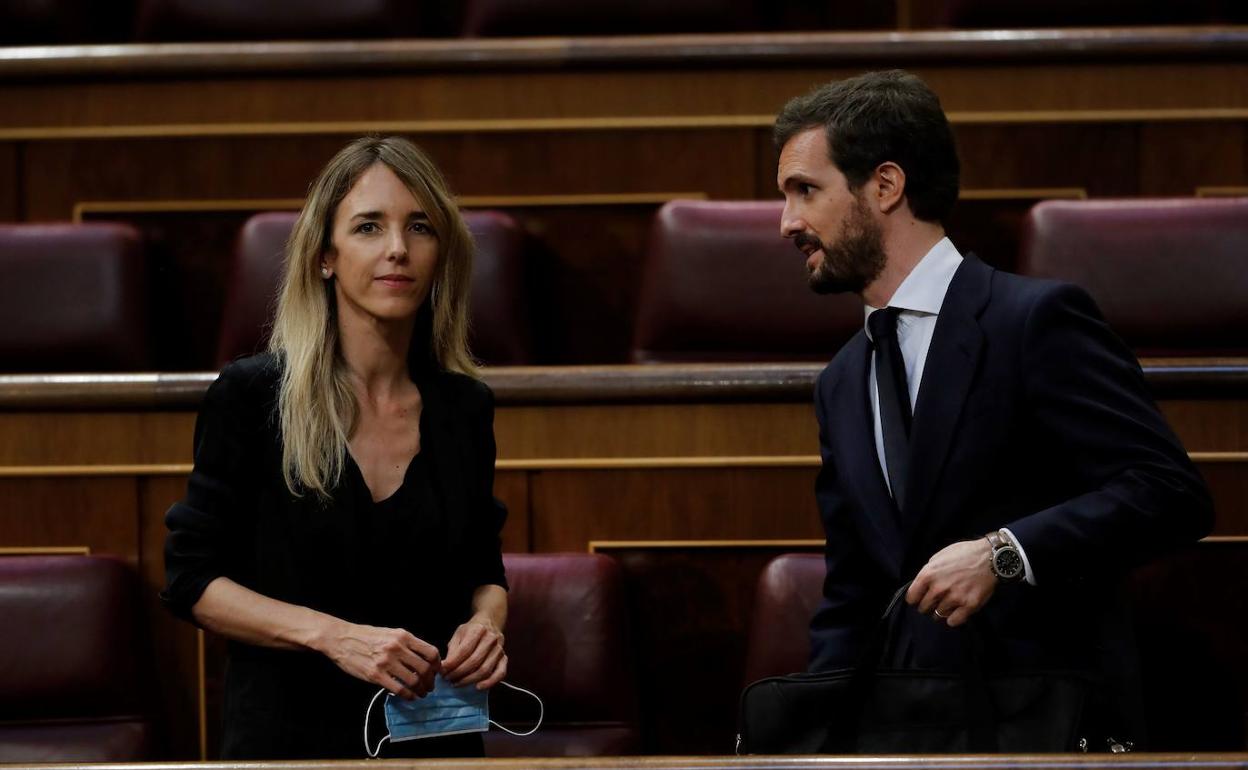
483	670
500	673
462	645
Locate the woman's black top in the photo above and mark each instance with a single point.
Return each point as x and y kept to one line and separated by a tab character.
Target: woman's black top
410	561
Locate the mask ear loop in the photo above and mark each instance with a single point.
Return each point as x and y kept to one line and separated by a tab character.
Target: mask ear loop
541	713
372	754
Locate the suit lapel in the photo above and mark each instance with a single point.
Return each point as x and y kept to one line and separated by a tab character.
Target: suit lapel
851	433
952	359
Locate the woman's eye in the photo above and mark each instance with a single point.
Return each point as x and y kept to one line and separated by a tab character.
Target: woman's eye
420	227
367	227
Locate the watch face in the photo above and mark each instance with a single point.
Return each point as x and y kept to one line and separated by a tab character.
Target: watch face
1008	563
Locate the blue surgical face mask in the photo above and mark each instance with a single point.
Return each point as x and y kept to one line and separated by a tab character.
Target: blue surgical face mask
445	710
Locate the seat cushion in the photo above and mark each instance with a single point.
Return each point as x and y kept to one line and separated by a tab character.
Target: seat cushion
74	298
721	284
1170	275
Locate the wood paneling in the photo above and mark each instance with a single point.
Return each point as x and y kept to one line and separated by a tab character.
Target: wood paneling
100	513
512	488
95	438
572	508
656	430
690	639
1178	159
1208	426
10	183
174	643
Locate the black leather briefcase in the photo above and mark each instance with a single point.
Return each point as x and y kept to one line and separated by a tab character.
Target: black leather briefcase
867	709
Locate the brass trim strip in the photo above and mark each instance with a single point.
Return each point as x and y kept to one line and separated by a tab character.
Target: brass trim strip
1220	192
596	546
523	464
94	471
157	206
468	201
1023	193
202	683
1218	457
50	550
642	463
604	123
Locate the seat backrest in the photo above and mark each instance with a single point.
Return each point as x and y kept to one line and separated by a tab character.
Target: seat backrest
73	298
789	590
71	689
1170	275
168	20
721	284
567	641
499	331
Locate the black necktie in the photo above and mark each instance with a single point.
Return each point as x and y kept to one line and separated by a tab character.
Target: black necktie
890	377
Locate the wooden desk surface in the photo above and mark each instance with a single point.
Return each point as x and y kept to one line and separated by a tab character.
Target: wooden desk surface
898	762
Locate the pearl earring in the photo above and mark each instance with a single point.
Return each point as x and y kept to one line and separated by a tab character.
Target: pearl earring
325	273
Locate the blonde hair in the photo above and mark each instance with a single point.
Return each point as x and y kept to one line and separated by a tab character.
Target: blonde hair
316	405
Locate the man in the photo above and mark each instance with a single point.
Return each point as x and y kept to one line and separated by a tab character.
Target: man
985	434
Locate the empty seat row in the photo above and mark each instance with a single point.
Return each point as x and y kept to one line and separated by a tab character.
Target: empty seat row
719	285
76	297
76	683
34	22
1170	276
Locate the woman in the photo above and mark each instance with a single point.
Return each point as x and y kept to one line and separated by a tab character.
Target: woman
339	525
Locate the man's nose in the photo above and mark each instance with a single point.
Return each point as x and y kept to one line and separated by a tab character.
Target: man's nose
790	224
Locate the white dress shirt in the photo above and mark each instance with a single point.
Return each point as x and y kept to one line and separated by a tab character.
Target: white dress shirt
919	298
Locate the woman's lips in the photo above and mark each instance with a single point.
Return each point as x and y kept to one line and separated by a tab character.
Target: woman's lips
395	281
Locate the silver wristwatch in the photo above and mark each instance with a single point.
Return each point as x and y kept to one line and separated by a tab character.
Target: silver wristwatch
1006	562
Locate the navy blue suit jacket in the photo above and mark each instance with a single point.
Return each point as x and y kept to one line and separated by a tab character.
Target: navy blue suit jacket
1031	415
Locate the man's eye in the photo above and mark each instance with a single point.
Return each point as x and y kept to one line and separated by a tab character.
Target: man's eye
803	188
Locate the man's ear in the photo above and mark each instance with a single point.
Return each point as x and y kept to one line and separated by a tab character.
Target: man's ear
890	187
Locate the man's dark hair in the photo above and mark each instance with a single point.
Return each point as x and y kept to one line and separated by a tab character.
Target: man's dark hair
879	117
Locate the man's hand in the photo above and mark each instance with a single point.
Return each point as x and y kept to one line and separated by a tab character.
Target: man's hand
955	583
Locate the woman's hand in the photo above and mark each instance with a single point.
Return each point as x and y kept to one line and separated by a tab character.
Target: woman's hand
388	657
475	655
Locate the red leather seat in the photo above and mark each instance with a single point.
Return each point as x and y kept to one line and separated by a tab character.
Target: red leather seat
498	321
1170	275
789	590
567	641
73	298
71	688
721	284
485	18
166	20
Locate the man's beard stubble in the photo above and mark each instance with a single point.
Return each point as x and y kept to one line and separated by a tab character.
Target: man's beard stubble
853	261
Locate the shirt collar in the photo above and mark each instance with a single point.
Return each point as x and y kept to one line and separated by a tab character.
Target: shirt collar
923	290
